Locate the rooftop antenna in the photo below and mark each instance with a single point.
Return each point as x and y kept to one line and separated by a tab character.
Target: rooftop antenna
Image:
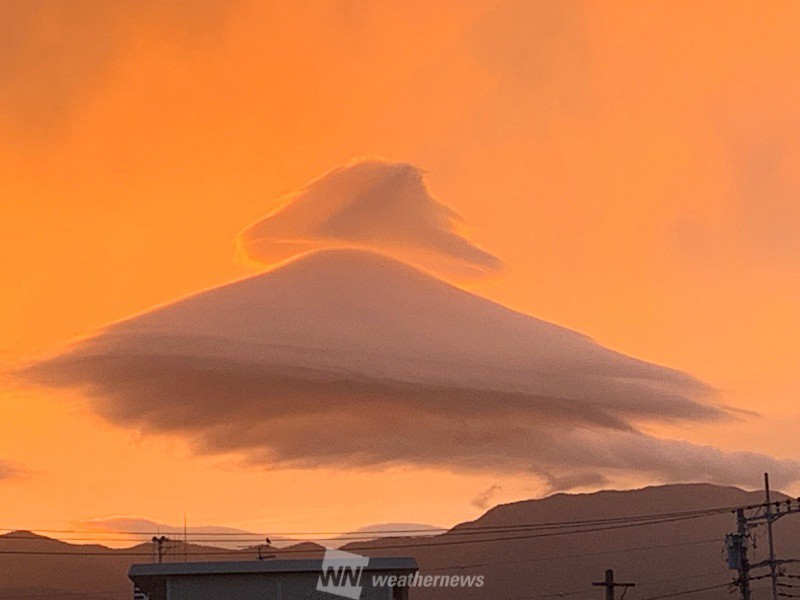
158	542
261	555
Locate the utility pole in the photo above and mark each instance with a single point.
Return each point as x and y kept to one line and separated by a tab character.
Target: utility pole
159	545
611	585
737	543
185	541
773	565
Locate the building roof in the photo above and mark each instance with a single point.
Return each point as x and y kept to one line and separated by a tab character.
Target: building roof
260	566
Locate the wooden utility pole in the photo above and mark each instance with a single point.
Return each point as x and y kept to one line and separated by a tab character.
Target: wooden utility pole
611	585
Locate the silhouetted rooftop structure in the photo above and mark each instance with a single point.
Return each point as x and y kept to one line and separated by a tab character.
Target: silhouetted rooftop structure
260	579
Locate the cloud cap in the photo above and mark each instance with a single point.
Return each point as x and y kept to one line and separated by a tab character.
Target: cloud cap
374	204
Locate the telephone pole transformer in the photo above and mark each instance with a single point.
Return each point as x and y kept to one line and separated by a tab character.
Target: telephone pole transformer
736	544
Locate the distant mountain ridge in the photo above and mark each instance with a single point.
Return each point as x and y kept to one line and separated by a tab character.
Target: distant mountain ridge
522	549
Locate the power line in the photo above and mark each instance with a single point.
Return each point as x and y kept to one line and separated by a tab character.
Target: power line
558	595
611	585
692	591
461	534
586	590
257	538
685	577
737	544
581	555
457	528
446	542
541	531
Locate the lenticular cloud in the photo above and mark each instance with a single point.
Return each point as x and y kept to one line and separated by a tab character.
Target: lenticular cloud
370	204
351	357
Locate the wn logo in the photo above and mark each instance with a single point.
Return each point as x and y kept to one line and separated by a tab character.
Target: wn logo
341	573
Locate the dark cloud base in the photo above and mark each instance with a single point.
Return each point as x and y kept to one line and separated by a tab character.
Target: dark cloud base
314	419
351	359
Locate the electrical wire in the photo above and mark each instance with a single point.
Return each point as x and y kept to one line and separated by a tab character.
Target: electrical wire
421	544
567	556
541	530
457	528
692	591
538	530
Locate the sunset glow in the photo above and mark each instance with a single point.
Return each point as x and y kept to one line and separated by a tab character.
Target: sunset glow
629	171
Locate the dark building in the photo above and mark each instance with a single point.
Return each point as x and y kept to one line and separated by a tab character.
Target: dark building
372	579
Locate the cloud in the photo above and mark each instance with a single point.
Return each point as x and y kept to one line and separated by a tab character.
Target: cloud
55	55
397	529
538	56
351	359
140	525
9	470
570	481
369	204
482	500
141	529
762	143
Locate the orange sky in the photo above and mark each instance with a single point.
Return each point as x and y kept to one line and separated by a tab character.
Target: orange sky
634	164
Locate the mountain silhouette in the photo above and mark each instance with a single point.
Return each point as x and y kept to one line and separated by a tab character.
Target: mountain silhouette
523	549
